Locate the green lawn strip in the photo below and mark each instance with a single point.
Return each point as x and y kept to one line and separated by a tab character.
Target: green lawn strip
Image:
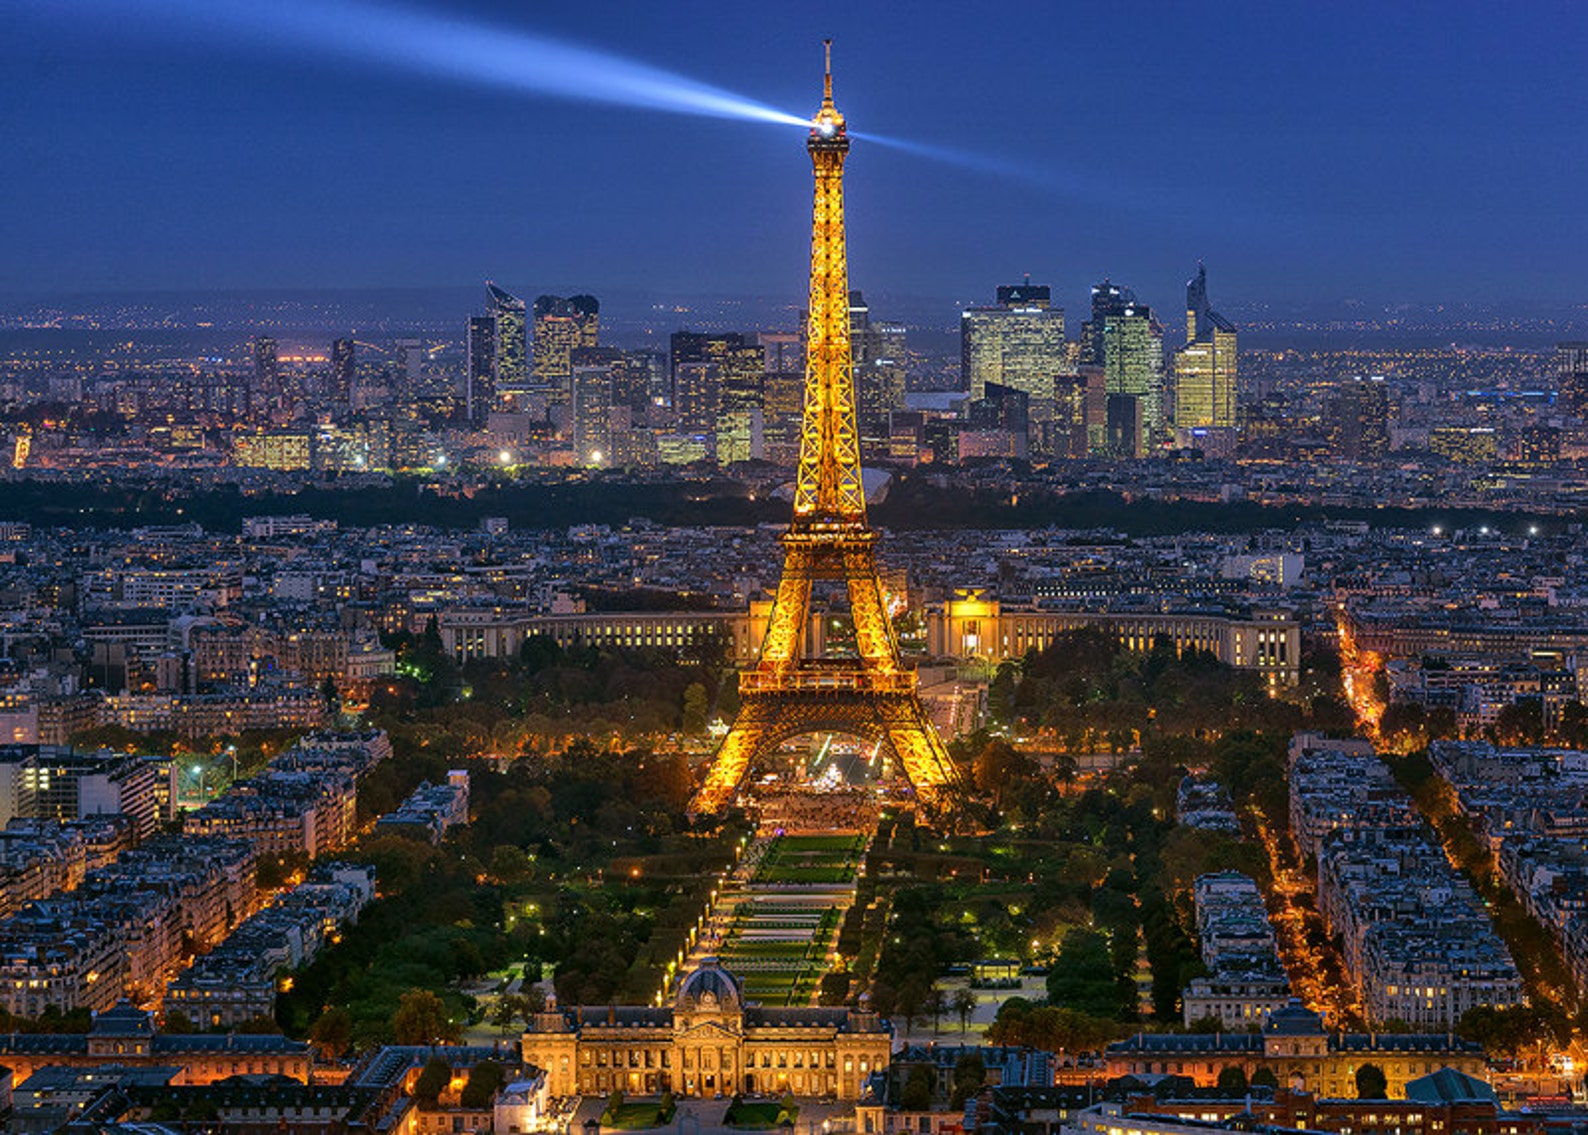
760	1116
636	1116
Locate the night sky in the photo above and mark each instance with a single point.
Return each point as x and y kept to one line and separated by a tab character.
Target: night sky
1309	152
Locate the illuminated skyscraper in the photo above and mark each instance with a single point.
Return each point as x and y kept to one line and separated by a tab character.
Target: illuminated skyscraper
782	387
1017	343
1357	418
592	413
479	376
1133	368
1204	369
1571	377
510	371
343	371
879	368
714	375
563	326
1107	299
267	368
697	395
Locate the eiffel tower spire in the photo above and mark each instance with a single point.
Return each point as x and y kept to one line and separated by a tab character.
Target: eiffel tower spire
786	694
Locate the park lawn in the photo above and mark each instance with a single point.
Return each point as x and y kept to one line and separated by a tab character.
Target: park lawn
781	874
760	1116
635	1116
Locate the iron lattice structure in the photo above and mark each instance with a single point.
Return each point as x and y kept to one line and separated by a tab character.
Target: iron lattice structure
785	694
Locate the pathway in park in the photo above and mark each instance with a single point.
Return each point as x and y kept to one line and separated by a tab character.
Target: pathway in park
775	920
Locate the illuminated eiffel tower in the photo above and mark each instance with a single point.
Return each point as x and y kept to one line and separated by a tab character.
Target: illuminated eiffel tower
785	694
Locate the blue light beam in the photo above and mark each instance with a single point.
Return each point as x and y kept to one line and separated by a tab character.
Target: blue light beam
454	48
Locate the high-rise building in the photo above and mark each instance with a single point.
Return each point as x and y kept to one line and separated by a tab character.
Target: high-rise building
408	358
1019	342
631	376
1204	369
658	375
734	382
267	370
344	365
1108	299
1133	368
1126	436
1079	426
878	353
782	387
592	413
510	369
562	326
697	395
1571	376
479	375
1357	418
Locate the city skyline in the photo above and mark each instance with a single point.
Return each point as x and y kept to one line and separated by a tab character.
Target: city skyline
1320	156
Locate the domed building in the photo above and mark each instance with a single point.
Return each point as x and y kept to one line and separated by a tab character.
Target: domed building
708	1042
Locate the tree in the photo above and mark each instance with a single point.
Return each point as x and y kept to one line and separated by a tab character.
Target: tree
1082	978
332	1033
1370	1083
1520	723
1265	1078
421	1018
176	1022
508	1008
433	1080
970	1072
695	708
509	863
917	1093
1001	693
1232	1078
485	1080
834	988
935	1006
963	1003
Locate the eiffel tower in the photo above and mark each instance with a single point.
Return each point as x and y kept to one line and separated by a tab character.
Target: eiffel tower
785	694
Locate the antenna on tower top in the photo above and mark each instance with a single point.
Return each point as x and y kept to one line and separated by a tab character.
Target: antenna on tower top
827	79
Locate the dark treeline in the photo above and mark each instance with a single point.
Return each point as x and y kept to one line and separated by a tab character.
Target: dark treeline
915	501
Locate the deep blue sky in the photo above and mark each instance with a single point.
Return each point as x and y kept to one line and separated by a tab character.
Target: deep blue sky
1310	152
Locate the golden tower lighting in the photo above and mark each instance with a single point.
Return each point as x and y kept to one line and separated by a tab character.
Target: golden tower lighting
786	694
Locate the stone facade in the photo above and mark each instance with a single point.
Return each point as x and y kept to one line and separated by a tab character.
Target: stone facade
708	1043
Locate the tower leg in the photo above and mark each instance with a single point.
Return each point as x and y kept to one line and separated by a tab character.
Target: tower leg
874	640
732	761
925	759
785	632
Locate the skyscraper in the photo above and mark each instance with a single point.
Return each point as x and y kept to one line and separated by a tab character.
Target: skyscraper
1571	376
562	326
1358	419
878	351
1107	299
479	375
343	370
1080	415
1017	343
1204	369
592	413
1133	368
267	368
510	367
782	388
733	382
